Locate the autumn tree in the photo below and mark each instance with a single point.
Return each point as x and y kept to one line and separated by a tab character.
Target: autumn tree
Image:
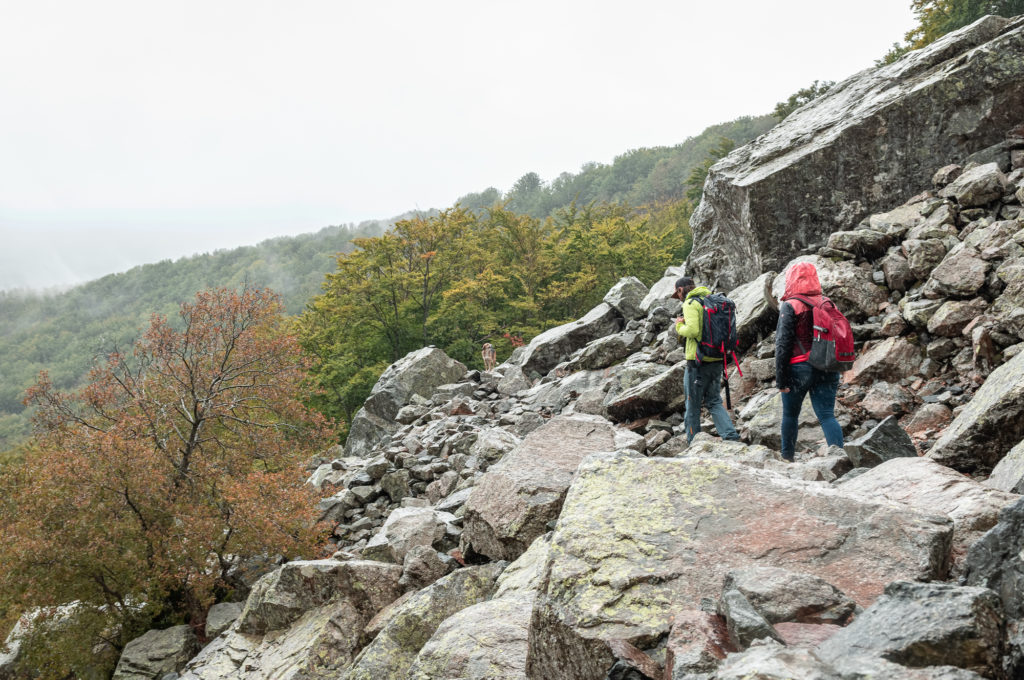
150	486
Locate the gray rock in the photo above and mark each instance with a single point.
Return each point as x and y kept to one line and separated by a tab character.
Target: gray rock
626	297
891	360
866	243
977	186
620	570
989	425
918	312
781	595
404	529
396	485
885	441
283	596
927	624
1008	474
392	653
744	622
513	380
923	255
771	661
949	319
418	373
513	502
555	345
157	652
221	616
818	171
962	273
654	395
756	309
696	645
994	562
660	294
925	485
897	272
609	350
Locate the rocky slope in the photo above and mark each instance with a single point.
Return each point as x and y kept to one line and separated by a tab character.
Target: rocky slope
547	520
871	142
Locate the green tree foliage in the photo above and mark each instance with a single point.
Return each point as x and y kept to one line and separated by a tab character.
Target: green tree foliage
458	279
801	97
695	181
639	177
936	18
149	486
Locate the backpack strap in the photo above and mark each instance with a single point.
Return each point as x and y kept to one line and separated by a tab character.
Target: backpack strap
810	308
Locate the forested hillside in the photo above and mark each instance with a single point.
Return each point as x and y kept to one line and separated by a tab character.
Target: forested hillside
638	177
62	333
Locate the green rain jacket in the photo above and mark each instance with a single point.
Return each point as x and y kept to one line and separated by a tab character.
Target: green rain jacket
693	317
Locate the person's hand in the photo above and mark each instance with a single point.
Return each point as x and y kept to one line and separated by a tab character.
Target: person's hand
784	390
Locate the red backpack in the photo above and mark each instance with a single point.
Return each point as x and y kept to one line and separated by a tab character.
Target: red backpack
832	346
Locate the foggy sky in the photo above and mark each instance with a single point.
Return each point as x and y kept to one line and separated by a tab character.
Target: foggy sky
132	132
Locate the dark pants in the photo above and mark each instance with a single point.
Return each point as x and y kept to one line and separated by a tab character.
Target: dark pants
822	386
703	384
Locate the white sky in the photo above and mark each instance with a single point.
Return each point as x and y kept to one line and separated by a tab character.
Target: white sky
133	131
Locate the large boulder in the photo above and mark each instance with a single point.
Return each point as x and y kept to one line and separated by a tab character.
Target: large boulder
927	624
990	424
650	397
870	142
660	294
156	653
756	309
1008	474
513	502
414	621
405	529
975	187
626	296
927	486
642	538
417	373
555	345
994	561
305	620
490	639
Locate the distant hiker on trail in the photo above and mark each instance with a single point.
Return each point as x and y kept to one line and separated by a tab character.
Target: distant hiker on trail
703	380
490	356
795	375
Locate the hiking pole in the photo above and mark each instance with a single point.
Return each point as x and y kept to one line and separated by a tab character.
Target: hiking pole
728	397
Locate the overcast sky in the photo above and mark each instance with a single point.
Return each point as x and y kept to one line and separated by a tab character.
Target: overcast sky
133	131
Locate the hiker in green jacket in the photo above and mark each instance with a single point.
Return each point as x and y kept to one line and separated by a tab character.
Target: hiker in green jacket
702	381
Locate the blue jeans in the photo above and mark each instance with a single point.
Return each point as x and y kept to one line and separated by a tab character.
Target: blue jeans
703	384
822	386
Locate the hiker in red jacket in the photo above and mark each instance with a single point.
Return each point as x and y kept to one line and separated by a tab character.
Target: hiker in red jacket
794	376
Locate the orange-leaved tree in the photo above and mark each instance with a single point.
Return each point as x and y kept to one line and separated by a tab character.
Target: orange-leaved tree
149	486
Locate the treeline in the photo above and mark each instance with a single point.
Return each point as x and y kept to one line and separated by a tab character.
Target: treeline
460	278
936	18
648	176
63	333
